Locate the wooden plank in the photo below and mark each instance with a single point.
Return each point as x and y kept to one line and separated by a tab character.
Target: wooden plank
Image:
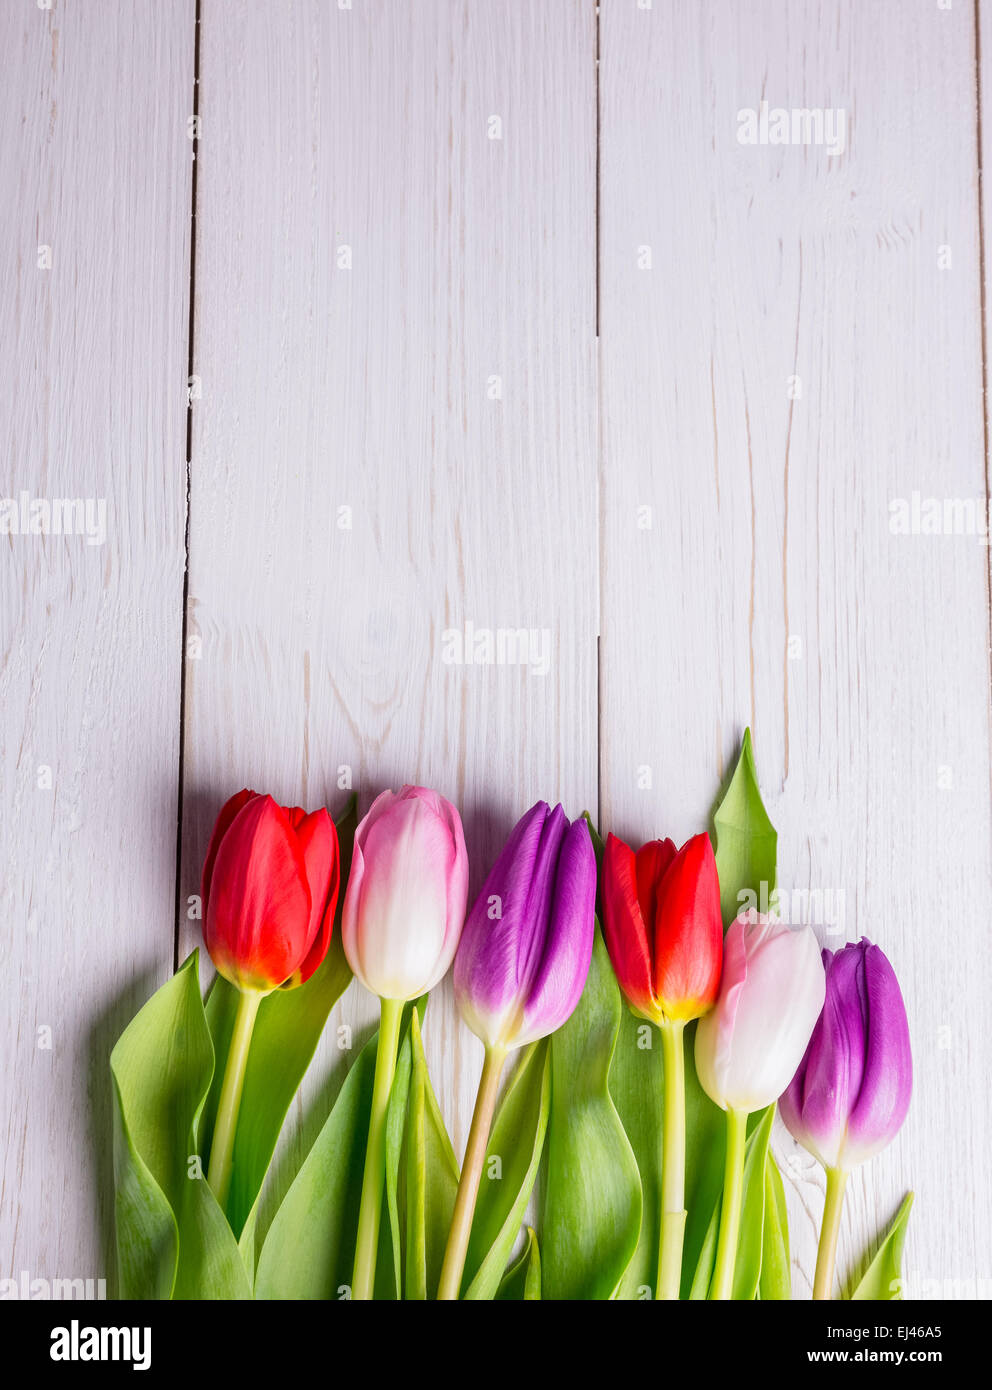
94	166
369	260
771	513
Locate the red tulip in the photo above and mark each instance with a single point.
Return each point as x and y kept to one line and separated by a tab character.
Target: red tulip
270	886
663	926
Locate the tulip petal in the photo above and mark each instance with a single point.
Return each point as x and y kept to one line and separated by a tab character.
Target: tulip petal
455	873
887	1080
382	804
560	977
318	840
816	1103
624	928
258	908
688	927
227	814
651	862
457	878
488	961
715	1030
350	909
776	1013
540	899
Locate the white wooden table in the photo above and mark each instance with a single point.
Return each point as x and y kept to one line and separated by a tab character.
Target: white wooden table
480	332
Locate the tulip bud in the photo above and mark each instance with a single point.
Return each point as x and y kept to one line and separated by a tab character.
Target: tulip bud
851	1093
663	928
405	902
525	951
771	994
269	888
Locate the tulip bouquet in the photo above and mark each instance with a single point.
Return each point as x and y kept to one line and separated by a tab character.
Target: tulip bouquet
648	1058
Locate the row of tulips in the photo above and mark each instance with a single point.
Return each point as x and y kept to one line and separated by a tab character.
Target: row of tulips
824	1035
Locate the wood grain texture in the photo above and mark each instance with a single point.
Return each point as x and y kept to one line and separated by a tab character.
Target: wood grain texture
94	165
772	517
368	395
370	389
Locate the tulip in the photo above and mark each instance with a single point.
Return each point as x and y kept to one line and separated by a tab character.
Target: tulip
771	994
851	1092
405	903
748	1048
664	933
269	889
403	913
524	953
520	970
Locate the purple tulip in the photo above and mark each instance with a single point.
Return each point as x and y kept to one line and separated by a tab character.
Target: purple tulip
851	1092
527	942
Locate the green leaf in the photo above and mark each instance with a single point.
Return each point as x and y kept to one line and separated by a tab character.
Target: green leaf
746	841
592	1214
389	1274
285	1037
705	1147
309	1250
517	1141
776	1270
173	1239
210	1263
699	1289
883	1278
522	1281
146	1229
747	1270
430	1173
749	1248
637	1085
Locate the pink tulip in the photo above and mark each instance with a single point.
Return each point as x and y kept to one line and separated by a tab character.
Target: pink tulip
405	903
403	915
771	993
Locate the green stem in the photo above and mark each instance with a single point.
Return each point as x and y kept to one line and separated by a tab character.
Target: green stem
453	1267
370	1210
722	1286
672	1163
226	1123
826	1253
